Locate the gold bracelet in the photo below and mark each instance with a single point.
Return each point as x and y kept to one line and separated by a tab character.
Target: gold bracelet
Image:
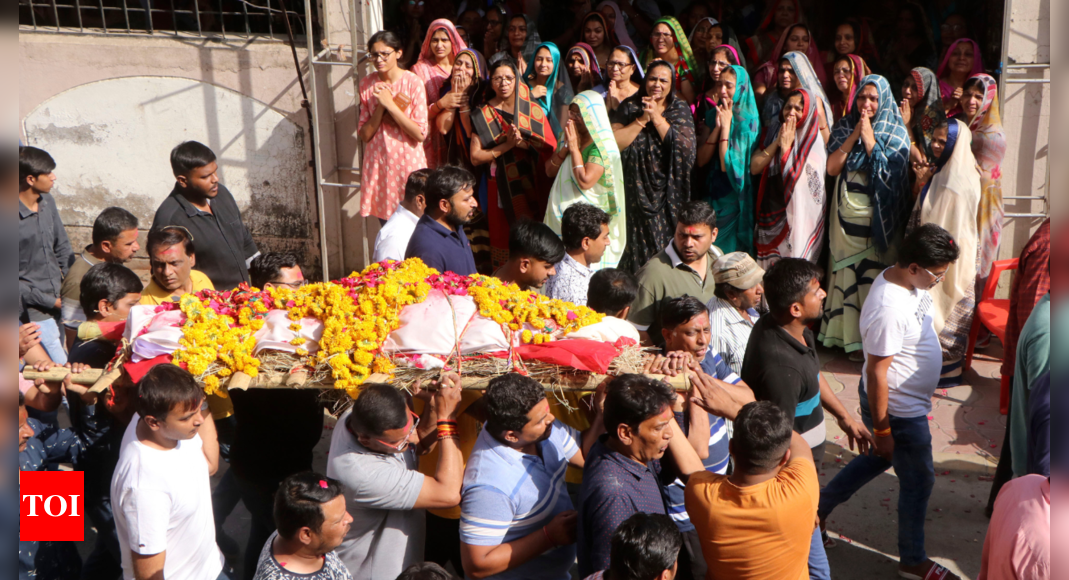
766	153
554	161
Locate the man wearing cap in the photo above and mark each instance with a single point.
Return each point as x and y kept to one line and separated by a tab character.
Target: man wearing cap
732	311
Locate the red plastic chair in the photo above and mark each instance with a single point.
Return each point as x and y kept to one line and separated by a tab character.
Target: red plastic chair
994	314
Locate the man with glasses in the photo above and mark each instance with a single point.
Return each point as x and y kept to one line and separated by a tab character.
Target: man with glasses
374	454
903	361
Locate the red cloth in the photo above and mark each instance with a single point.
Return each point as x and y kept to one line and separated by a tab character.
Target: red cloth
1030	285
585	355
138	370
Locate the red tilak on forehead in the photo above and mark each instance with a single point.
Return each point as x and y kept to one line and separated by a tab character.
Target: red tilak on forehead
692	230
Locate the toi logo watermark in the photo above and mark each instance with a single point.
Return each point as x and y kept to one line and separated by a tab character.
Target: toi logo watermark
52	506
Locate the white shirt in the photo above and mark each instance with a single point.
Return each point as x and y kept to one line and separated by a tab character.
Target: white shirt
731	332
163	502
571	282
898	322
392	240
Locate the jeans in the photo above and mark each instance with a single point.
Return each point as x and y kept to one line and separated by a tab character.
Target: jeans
52	339
819	568
913	465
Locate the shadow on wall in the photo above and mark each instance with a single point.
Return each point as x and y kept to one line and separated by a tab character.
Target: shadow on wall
112	140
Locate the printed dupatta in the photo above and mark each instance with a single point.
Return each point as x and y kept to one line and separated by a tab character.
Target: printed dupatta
607	194
586	51
686	67
989	148
858	70
459	139
517	169
767	75
929	113
795	230
887	166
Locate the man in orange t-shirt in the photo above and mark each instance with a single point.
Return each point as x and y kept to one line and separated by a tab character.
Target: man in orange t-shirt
758	522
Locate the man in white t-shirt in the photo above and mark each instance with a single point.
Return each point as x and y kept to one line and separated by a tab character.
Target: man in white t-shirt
903	361
393	238
160	491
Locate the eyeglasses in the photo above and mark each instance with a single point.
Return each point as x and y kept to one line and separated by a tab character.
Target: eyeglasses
503	80
937	279
381	55
413	422
616	64
294	285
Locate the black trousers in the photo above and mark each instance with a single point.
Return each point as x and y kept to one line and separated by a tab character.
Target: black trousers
443	543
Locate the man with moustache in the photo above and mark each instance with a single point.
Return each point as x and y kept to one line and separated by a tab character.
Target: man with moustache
439	239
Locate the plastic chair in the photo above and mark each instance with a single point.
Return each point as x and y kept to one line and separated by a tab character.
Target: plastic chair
995	315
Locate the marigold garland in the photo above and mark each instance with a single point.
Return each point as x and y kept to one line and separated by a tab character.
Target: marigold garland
357	313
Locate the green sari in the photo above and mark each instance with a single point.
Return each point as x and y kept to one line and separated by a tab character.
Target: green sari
607	193
686	69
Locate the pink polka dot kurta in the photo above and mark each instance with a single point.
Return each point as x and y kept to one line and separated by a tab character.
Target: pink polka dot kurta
391	155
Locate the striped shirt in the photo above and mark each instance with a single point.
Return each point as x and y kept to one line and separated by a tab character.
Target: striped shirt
508	494
731	332
719	452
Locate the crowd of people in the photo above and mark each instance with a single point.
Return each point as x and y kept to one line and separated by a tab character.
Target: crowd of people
732	206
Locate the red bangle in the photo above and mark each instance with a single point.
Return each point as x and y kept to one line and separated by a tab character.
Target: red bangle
549	539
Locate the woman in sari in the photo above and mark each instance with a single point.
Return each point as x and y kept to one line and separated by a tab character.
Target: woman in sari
511	133
795	72
730	127
669	44
791	196
583	70
518	41
434	66
796	38
468	80
922	111
910	46
614	19
869	157
654	129
623	77
853	36
599	37
392	125
950	198
549	88
779	17
701	42
588	169
962	62
979	104
846	73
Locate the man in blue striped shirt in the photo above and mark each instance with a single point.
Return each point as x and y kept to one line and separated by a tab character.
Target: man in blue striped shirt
687	335
517	520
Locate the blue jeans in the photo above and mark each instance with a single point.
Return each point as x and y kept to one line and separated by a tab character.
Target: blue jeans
912	461
819	568
52	339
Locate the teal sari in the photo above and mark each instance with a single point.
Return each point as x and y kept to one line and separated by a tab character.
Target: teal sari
731	191
551	102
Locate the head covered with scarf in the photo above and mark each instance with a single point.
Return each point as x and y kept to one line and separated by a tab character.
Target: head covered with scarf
945	88
547	102
608	193
858	70
687	67
639	72
619	25
887	166
586	52
929	112
766	73
803	69
610	33
745	128
533	39
426	56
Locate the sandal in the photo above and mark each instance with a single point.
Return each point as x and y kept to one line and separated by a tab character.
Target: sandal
829	543
936	572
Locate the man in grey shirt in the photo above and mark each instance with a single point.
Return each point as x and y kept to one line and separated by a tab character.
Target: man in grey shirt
44	250
374	454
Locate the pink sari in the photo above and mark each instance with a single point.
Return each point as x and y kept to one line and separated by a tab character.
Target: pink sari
946	90
766	73
434	77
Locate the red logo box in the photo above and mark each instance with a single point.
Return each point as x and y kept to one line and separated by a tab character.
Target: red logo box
52	506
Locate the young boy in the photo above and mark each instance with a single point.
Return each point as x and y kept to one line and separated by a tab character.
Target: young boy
611	293
160	491
106	294
533	252
585	231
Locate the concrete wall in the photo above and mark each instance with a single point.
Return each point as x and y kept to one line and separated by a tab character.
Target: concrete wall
110	108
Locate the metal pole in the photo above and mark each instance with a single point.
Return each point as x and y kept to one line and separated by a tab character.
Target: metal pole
356	28
317	168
